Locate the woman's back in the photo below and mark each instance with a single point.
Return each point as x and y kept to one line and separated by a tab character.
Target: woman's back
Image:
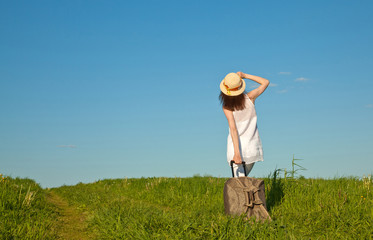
249	140
247	113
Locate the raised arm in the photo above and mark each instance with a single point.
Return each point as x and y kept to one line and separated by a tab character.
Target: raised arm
253	94
234	134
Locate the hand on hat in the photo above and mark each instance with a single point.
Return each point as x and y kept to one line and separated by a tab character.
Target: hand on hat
241	74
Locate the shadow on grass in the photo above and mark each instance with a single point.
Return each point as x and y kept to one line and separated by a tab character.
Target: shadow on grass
275	193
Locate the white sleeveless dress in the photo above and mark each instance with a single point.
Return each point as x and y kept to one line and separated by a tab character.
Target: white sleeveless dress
250	144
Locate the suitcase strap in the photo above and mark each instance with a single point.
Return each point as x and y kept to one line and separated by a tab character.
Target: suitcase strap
252	196
252	199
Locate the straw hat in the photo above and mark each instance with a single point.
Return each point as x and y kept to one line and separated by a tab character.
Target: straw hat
232	85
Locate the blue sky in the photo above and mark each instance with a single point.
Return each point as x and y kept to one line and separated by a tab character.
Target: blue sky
112	89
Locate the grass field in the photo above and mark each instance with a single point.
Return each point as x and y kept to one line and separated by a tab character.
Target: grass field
187	208
24	210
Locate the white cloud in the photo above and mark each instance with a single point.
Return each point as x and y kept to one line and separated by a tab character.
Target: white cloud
284	73
301	79
66	146
273	85
369	106
253	85
282	91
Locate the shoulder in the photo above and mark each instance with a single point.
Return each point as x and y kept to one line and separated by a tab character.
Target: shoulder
228	113
250	97
226	110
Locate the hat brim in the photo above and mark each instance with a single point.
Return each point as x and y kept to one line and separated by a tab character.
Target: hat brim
232	93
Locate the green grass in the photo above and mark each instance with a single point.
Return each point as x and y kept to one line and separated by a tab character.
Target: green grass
192	208
24	211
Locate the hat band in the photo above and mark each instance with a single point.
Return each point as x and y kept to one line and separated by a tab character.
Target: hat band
232	89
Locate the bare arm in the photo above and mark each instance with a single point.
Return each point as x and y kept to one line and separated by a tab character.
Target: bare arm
253	94
233	129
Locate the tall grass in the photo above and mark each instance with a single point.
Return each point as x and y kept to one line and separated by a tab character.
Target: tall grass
24	211
192	208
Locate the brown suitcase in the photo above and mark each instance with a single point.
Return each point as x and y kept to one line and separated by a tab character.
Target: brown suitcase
245	195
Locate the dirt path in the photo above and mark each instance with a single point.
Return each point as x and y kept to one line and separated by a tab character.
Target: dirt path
71	223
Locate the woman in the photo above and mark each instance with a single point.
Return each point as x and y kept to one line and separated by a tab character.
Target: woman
243	140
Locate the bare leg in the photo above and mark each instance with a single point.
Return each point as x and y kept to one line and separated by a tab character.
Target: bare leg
238	169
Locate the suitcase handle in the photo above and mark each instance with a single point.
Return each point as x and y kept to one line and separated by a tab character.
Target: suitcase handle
243	165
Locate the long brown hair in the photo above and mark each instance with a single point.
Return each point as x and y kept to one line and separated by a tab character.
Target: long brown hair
233	103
